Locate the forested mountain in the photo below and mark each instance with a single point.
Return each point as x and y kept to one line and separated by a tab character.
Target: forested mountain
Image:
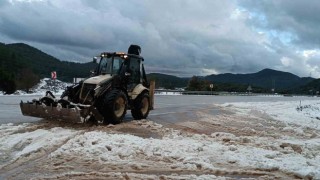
8	68
262	81
168	81
21	66
42	64
311	88
266	78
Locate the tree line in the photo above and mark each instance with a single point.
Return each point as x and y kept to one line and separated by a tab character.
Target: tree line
201	84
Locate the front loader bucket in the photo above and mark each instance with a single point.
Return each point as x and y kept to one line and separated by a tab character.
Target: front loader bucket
50	112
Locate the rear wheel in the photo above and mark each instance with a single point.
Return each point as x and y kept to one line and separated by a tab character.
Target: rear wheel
114	107
141	107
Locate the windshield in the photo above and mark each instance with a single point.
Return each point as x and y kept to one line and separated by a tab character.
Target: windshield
106	66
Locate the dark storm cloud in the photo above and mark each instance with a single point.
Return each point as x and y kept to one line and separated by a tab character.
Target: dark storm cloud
298	17
180	37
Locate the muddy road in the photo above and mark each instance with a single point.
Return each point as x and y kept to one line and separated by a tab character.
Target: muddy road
185	137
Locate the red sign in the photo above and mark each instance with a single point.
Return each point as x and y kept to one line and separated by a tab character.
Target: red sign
54	75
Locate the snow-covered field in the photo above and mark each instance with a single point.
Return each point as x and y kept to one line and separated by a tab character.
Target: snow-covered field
248	140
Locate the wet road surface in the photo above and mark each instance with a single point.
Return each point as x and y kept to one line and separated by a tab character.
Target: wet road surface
168	109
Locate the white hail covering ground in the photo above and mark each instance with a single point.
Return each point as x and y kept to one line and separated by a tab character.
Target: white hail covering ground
296	114
298	117
14	145
186	151
46	84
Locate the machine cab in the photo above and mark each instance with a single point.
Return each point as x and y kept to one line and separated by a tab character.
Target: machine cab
109	64
129	67
135	73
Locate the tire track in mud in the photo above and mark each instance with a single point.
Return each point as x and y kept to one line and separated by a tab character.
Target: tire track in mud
26	167
261	125
27	163
17	166
161	174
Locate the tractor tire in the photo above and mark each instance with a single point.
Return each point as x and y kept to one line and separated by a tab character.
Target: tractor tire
114	107
141	107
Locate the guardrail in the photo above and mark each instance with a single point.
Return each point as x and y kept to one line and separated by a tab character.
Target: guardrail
220	93
162	91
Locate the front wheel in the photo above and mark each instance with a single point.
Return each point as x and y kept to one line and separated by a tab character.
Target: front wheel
114	107
141	107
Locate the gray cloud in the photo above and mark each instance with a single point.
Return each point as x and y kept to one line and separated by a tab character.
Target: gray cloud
297	17
293	27
180	37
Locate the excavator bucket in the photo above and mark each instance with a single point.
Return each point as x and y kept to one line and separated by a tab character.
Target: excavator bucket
50	112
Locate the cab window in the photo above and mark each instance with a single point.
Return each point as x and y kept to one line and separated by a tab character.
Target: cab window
134	69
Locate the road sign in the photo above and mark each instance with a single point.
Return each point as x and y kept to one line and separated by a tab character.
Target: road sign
211	87
54	75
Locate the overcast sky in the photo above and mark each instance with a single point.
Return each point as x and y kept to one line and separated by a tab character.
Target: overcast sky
179	37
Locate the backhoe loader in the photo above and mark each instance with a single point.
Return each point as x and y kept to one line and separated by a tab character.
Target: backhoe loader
118	84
